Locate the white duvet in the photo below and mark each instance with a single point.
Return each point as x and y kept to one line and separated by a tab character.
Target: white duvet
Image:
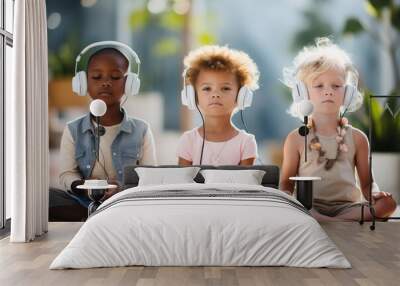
208	230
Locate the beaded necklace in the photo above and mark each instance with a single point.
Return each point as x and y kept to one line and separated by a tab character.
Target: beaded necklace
315	144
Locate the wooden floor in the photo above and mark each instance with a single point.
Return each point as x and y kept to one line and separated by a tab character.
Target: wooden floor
374	255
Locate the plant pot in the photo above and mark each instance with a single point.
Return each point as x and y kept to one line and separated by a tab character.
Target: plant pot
386	170
61	96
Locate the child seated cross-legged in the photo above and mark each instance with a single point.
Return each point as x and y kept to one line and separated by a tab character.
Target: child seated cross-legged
325	76
106	75
218	81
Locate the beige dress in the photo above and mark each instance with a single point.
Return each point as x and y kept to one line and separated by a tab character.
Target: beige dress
337	191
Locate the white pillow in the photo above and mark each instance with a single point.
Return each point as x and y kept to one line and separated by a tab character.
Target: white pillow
164	176
248	177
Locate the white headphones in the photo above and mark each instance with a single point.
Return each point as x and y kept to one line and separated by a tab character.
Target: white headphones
132	84
188	95
300	96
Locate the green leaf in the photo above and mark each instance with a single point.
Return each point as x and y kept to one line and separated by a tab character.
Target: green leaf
374	7
62	61
66	53
380	4
166	47
55	65
172	21
315	26
385	123
394	103
395	17
353	26
376	112
138	19
205	38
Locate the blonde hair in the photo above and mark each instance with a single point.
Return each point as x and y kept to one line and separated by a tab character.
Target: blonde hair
221	59
314	60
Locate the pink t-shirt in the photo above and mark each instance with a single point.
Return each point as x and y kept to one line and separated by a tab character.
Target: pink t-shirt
241	147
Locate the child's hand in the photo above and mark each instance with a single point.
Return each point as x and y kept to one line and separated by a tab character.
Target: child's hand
113	182
110	192
378	195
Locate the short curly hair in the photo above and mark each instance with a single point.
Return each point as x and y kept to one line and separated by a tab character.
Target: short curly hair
219	58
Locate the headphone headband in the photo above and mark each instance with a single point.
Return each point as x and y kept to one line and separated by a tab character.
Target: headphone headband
132	82
121	47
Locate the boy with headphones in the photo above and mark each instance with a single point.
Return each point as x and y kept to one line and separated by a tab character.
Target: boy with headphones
217	82
106	73
324	83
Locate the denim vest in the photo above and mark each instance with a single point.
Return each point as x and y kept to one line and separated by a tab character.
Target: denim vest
125	149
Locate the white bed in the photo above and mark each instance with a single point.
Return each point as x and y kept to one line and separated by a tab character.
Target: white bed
201	224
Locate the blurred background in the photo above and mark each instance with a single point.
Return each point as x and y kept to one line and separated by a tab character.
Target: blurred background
271	32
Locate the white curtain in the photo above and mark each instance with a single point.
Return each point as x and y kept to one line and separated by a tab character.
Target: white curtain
27	173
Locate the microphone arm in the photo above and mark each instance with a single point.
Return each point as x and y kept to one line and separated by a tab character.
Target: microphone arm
303	131
97	118
305	108
98	108
305	137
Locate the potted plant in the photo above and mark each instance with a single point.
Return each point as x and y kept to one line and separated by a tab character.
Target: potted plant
384	121
61	71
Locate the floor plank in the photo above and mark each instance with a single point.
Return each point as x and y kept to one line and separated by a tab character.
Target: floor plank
374	255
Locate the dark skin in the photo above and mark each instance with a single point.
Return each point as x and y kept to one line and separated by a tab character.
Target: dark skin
106	81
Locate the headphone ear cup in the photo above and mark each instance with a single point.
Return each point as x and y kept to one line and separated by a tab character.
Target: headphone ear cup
191	97
132	84
244	98
188	97
349	94
299	92
79	83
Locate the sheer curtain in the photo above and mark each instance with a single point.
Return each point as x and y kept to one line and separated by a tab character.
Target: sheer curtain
27	173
